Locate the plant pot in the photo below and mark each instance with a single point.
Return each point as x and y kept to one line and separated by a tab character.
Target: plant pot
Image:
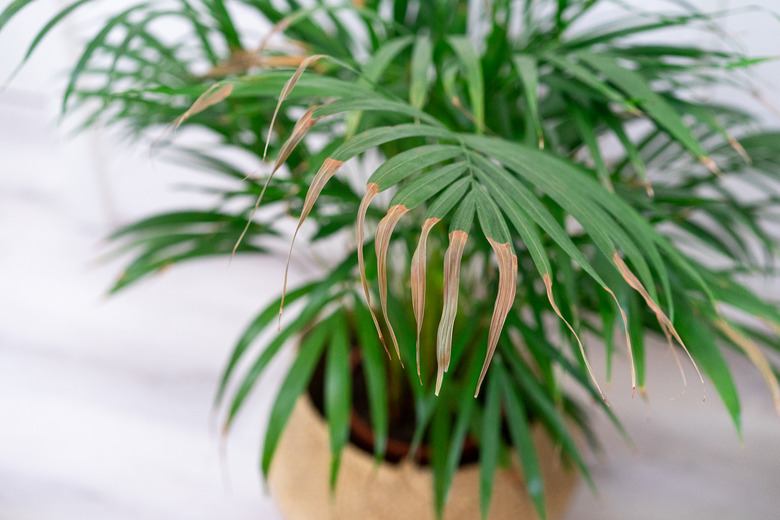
299	481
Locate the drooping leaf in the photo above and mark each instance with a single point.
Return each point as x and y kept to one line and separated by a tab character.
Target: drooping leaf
382	242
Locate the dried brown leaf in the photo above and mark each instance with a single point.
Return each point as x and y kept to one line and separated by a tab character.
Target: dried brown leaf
755	356
548	285
419	261
383	232
371	190
507	286
741	151
663	319
286	92
300	130
279	27
452	258
213	95
326	171
711	166
629	349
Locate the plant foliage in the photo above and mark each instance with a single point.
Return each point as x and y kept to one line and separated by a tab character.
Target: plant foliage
507	210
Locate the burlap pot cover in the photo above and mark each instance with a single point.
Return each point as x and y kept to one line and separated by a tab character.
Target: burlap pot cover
299	481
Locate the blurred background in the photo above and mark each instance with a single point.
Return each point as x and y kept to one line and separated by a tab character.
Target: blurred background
105	402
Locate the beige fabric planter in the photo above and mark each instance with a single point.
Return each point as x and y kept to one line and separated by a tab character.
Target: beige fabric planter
299	482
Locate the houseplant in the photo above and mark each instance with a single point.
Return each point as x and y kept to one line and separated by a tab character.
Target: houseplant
491	126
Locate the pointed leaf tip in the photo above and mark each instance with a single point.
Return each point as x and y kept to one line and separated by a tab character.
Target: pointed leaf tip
629	348
381	244
452	259
288	87
507	286
213	95
300	130
755	356
326	171
548	285
418	282
371	190
663	320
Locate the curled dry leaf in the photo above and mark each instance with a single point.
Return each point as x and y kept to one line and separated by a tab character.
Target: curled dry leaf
371	190
629	349
326	171
300	130
755	356
382	242
452	260
419	261
711	166
741	151
213	95
663	320
548	285
286	92
279	27
507	286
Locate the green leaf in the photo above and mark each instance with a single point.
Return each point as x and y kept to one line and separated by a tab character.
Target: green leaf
376	381
583	122
490	443
464	215
400	166
315	304
10	11
527	67
634	85
545	408
473	68
381	135
447	200
701	342
589	79
457	437
427	185
226	26
490	219
422	61
636	329
570	187
523	442
89	50
338	392
292	387
373	70
441	429
251	333
632	152
42	33
373	103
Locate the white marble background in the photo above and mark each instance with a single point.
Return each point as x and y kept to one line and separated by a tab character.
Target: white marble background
105	403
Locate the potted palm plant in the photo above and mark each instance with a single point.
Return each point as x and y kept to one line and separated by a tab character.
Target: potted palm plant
464	152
